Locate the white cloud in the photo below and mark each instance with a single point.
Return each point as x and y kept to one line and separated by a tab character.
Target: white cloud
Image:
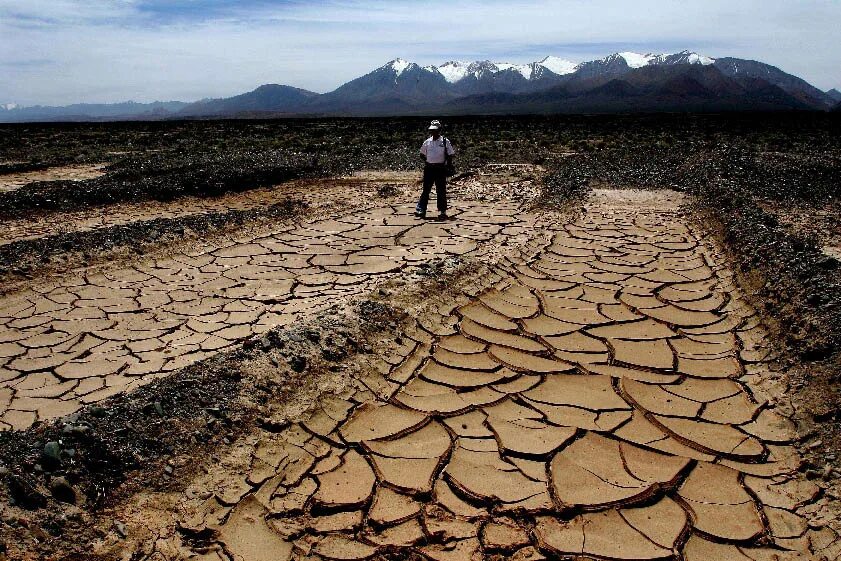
62	51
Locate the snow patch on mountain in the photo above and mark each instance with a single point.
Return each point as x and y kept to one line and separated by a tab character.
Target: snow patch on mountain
399	65
636	60
557	65
695	58
9	106
481	67
525	70
454	70
683	57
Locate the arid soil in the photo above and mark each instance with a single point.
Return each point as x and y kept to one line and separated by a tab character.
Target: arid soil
820	222
124	230
608	397
81	338
568	367
78	172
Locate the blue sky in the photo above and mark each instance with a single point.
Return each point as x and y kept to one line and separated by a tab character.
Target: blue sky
65	51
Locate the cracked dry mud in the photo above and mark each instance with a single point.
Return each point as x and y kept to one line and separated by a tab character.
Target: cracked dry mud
78	339
606	394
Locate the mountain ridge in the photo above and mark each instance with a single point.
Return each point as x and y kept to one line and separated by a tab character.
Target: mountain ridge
623	81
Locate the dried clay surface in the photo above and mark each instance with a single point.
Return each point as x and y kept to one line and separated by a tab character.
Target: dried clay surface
608	395
78	338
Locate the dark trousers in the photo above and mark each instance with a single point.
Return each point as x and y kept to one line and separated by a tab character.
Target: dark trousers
437	174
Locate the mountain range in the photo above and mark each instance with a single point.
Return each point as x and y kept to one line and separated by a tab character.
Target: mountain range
621	82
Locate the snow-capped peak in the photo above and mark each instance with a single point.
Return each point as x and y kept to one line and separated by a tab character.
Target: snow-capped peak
454	70
9	106
557	65
694	58
399	65
636	60
481	67
525	70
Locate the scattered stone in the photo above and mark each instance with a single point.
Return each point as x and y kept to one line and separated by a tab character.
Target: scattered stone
120	528
62	490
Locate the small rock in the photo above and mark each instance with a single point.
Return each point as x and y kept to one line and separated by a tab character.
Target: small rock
298	363
52	454
120	528
159	408
273	424
62	490
215	411
97	411
81	429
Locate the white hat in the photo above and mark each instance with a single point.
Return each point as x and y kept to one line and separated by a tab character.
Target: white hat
435	125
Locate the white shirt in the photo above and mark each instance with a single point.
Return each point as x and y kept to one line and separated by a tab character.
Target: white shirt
434	150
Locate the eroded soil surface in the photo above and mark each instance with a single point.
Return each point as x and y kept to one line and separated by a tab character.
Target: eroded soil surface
603	391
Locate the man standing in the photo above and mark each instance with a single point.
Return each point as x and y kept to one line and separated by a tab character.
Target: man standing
434	152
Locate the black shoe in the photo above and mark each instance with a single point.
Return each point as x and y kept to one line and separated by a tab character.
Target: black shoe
442	216
420	214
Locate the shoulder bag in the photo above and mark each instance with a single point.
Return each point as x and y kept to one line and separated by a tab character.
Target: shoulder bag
449	168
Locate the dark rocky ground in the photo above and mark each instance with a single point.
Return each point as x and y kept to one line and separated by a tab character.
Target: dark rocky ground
166	160
734	165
